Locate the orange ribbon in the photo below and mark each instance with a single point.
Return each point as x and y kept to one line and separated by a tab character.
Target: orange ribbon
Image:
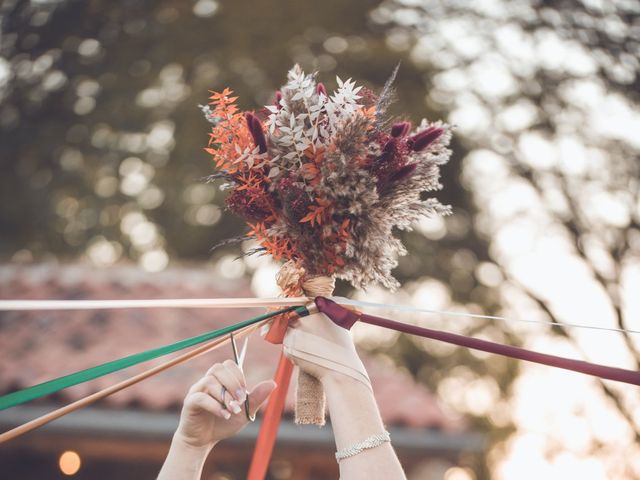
278	328
271	421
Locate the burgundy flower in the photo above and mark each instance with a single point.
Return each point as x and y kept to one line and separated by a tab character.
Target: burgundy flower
402	173
321	89
422	140
253	204
277	99
255	127
295	201
390	166
400	129
389	150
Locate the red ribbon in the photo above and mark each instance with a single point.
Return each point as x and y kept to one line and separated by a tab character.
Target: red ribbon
346	318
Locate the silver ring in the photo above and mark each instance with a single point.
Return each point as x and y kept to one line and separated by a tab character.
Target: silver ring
224	391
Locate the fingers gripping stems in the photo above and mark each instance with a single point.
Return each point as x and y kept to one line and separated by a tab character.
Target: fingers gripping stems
333	356
320	348
310	401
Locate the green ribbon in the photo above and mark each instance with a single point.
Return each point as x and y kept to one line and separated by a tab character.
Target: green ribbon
60	383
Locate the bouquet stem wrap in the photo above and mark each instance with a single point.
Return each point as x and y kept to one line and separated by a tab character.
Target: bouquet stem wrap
310	398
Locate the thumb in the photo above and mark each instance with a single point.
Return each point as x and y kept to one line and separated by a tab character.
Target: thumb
258	396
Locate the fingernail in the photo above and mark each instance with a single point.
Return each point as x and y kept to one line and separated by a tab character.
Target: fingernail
234	406
226	414
241	395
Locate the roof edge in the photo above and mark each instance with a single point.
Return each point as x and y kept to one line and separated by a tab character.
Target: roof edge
145	425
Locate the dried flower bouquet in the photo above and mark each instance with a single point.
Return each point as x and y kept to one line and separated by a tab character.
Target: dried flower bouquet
322	179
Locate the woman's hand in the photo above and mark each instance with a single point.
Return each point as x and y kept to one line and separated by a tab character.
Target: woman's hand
208	415
324	350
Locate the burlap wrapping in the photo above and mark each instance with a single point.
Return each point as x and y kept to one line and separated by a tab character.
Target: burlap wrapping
310	399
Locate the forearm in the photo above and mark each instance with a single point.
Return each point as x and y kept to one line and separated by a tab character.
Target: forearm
183	462
355	417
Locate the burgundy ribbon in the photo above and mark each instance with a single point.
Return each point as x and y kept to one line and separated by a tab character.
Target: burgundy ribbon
346	318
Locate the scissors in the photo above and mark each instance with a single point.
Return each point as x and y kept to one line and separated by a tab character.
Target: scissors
239	359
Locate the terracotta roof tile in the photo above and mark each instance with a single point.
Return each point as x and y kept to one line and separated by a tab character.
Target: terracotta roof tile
37	346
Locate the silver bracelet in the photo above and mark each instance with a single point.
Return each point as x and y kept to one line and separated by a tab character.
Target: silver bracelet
372	442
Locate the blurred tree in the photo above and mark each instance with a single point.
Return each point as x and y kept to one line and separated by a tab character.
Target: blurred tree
546	98
101	144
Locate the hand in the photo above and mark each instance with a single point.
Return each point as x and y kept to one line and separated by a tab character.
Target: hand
323	350
205	420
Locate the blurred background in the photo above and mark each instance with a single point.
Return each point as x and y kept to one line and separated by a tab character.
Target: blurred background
102	196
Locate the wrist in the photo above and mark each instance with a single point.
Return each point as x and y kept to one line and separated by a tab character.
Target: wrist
184	460
189	447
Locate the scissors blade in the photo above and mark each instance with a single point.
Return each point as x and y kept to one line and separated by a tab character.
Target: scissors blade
243	353
240	361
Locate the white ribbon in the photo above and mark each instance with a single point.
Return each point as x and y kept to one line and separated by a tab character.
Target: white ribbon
409	309
36	305
43	305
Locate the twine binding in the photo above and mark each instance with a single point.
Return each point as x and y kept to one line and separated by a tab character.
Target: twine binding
310	403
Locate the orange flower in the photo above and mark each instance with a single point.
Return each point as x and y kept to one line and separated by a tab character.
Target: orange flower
230	136
317	213
309	171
